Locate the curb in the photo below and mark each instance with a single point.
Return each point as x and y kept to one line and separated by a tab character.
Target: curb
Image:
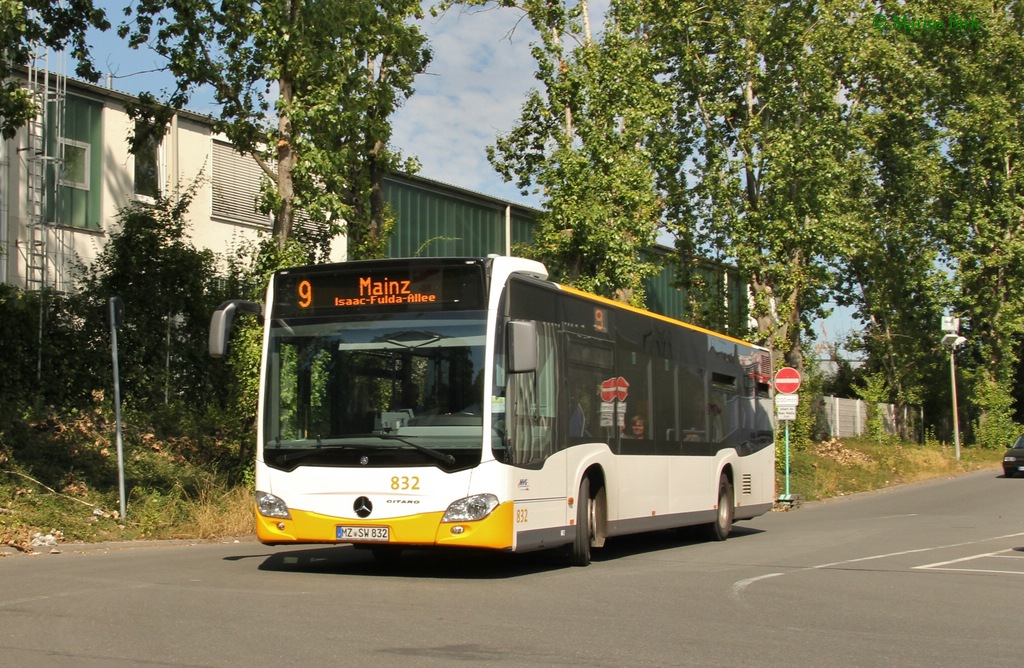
81	548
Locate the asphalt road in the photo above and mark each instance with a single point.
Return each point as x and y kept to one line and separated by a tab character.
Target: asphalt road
930	574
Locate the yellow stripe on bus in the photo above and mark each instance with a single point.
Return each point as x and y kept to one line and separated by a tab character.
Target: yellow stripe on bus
658	316
493	532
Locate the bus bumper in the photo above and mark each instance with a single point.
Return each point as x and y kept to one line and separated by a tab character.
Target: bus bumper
305	527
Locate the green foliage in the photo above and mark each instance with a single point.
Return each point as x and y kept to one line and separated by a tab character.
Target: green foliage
983	202
839	467
581	142
762	138
873	391
185	437
59	471
842	381
19	325
28	24
243	364
831	160
321	133
169	288
996	428
46	356
805	428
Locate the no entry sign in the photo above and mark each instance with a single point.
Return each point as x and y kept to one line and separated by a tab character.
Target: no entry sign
787	380
614	388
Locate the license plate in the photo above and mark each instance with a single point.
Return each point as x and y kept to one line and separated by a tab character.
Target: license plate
1020	468
371	534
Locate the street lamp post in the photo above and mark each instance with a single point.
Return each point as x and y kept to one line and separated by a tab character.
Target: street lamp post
953	341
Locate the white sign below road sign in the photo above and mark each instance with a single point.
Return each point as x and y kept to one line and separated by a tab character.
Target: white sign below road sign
787	399
785	412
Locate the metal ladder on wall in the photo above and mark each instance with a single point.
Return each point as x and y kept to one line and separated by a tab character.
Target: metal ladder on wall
43	162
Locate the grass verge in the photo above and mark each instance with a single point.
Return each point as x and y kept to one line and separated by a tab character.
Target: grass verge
839	467
189	502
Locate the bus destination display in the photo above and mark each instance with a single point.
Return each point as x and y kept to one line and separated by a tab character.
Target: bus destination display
313	292
374	292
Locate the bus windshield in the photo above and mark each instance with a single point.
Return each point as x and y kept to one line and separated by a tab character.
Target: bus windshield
405	389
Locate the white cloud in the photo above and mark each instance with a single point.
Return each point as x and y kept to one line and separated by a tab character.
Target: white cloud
472	91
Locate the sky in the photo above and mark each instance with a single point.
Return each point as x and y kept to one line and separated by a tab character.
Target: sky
473	90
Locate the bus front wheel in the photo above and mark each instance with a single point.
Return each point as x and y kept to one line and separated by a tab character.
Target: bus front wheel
720	528
579	551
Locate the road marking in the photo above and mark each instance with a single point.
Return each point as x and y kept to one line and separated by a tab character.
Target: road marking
739	586
923	549
1002	554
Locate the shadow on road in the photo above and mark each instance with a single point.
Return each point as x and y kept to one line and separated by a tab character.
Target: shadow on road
627	546
467	564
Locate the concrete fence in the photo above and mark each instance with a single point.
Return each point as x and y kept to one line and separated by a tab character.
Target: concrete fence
841	418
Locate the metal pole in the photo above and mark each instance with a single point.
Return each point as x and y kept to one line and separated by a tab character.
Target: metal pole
956	417
117	405
167	369
787	460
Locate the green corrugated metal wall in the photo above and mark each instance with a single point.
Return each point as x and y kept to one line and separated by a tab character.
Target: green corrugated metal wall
434	221
725	286
438	220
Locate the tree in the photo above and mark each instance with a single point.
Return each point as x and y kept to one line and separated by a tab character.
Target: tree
27	25
581	142
978	105
893	258
332	71
763	130
169	288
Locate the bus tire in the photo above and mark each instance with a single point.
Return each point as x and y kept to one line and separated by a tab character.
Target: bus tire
720	528
579	551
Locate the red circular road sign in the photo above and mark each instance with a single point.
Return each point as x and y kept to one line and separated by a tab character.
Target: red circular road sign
614	388
787	380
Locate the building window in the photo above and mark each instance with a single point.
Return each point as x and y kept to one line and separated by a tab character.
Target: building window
70	199
76	164
147	161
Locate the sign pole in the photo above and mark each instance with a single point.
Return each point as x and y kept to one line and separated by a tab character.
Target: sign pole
787	382
116	315
787	461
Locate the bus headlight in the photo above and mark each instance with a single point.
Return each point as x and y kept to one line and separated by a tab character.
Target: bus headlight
471	508
271	506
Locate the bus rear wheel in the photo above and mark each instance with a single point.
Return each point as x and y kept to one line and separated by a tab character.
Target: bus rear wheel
579	551
720	528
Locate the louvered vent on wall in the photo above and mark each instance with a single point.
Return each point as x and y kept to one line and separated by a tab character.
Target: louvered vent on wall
236	186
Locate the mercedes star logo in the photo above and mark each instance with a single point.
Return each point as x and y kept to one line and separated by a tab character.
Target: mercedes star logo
363	507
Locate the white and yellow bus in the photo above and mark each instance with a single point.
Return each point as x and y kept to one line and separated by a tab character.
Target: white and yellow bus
473	403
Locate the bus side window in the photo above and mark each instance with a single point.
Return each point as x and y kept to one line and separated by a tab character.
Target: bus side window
532	398
589	364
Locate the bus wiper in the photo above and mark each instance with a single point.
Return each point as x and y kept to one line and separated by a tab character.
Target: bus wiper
439	456
309	452
320	448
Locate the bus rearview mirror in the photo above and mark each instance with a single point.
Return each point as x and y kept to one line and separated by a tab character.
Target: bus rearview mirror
220	324
522	346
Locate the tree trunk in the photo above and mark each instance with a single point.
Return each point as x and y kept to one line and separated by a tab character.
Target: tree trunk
284	217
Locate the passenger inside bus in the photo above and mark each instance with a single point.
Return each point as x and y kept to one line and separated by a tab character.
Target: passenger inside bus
636	428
